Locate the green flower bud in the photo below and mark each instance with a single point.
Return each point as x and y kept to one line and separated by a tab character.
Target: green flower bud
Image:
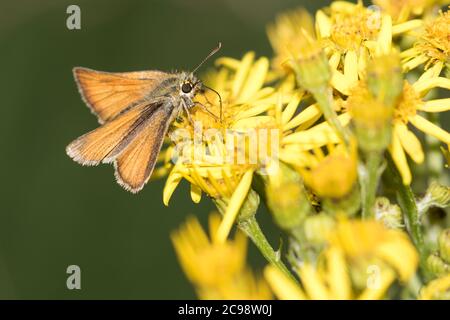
437	266
286	198
444	245
389	214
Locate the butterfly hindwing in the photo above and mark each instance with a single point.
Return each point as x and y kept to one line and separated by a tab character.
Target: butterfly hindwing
135	164
106	142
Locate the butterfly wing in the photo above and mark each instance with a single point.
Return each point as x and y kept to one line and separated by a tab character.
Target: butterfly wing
135	164
105	143
108	94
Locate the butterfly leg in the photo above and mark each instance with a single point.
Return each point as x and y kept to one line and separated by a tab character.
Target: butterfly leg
186	109
206	109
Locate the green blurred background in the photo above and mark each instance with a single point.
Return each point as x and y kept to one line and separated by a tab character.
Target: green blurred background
54	212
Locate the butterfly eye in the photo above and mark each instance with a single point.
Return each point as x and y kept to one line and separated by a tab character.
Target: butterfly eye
186	87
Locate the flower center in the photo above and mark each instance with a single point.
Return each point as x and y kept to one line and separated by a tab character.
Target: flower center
408	104
435	42
350	29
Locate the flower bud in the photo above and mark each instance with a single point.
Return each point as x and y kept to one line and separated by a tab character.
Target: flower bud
311	66
437	266
389	214
444	245
384	79
286	198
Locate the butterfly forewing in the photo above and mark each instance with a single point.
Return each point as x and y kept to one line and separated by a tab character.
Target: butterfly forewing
136	162
109	94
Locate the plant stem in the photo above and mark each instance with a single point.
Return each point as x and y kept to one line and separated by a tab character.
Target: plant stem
369	183
251	228
407	202
324	98
247	222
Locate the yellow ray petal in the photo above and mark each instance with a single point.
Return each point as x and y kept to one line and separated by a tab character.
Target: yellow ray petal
334	60
409	142
351	67
196	193
424	86
255	79
321	133
436	105
415	62
236	201
432	72
307	114
398	155
430	128
313	283
341	82
283	287
172	182
339	280
406	26
290	109
384	40
323	25
241	73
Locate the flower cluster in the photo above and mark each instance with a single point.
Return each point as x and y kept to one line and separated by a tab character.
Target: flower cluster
335	134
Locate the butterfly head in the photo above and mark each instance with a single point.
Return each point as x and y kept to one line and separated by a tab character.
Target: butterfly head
189	86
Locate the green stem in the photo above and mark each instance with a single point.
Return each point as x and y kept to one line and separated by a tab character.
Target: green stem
369	183
407	202
251	228
324	98
248	224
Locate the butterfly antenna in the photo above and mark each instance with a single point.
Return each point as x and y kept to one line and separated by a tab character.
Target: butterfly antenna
213	51
220	99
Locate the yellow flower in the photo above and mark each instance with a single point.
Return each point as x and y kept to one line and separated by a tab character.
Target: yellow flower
432	46
256	121
217	269
329	281
331	175
436	289
362	261
352	34
286	35
407	111
368	243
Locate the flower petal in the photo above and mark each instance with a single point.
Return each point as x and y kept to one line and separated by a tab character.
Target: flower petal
436	105
424	86
172	182
242	73
283	287
196	193
430	128
255	80
398	155
384	41
409	142
338	278
290	109
313	283
323	25
307	114
236	201
406	26
351	67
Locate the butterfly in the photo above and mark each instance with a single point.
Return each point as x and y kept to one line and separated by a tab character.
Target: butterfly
135	110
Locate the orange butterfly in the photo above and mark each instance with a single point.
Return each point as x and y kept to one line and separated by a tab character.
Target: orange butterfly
135	110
